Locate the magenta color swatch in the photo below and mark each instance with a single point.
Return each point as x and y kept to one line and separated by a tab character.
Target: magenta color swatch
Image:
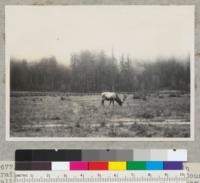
78	165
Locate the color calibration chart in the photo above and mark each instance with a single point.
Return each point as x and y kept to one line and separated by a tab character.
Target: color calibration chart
100	166
74	160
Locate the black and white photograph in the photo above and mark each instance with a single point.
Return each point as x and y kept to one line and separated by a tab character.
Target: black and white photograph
117	72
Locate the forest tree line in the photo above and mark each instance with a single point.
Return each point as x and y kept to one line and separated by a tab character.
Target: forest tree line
96	72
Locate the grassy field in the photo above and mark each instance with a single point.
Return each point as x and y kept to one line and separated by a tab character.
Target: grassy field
61	115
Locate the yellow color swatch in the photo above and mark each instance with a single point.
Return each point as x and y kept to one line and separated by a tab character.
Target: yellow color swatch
117	165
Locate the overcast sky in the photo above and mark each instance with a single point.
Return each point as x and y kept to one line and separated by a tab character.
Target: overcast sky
142	32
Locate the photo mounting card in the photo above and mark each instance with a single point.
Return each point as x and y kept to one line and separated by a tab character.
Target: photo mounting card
99	73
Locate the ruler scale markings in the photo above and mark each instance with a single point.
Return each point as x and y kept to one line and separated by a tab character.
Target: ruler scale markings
113	176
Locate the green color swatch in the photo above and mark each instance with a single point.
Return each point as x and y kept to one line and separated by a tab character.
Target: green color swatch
136	165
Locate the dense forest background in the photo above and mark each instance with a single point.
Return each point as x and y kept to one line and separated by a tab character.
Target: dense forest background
96	72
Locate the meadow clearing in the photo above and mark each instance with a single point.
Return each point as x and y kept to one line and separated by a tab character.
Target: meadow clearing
57	114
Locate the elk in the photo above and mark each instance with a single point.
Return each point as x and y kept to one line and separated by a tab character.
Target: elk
112	97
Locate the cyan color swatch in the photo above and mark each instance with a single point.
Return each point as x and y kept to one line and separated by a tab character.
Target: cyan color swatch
154	165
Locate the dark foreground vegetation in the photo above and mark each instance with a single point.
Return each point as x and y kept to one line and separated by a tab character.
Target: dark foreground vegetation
53	114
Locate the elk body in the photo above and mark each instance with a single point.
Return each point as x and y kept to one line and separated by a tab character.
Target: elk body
112	97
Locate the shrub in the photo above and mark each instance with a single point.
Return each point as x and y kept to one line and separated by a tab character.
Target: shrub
77	125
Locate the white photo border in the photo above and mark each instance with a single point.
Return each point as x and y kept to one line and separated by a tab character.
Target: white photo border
101	139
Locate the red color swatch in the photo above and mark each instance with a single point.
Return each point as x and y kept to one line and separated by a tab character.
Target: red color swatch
98	165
